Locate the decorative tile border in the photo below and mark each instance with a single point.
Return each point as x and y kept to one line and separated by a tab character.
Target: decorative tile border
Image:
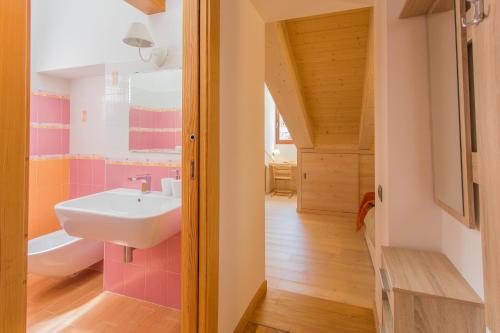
49	94
155	130
49	125
140	108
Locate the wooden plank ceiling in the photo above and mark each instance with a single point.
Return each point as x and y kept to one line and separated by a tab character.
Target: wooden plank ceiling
330	53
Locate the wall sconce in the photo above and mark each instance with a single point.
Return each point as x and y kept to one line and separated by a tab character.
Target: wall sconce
138	36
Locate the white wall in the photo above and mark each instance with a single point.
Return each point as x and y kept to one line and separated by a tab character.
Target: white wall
463	246
408	215
79	33
241	252
288	152
87	137
74	34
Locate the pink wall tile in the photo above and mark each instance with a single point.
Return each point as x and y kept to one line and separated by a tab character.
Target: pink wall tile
113	252
149	276
65	141
84	189
46	109
34	108
178	121
98	172
73	191
134	281
34	147
174	254
134	118
173	290
49	141
85	171
156	287
113	276
65	118
158	257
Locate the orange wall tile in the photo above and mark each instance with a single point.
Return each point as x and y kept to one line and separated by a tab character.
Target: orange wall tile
48	185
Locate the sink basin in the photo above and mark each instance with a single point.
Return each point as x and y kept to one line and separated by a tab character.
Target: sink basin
122	216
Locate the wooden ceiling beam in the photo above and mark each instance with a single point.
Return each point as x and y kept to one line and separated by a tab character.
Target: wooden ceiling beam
149	7
284	42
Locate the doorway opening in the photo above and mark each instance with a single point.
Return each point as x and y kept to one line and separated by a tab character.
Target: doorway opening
319	150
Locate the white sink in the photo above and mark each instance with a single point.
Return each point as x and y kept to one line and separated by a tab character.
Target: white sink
122	216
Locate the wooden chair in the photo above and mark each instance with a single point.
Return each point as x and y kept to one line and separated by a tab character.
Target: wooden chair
282	172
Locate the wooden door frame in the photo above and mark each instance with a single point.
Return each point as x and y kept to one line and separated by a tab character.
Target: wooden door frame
199	161
200	234
14	131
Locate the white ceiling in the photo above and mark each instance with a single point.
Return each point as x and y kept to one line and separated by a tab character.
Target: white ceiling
277	10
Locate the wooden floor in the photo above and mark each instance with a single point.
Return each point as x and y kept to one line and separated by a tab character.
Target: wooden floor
283	311
317	255
80	305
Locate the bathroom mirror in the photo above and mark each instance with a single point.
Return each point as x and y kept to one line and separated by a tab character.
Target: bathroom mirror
155	114
451	154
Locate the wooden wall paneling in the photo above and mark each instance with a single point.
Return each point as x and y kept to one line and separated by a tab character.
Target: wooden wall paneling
280	82
190	165
366	174
209	166
284	42
330	55
14	131
367	122
149	7
486	48
329	182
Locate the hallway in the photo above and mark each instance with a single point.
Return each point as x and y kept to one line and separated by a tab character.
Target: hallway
317	255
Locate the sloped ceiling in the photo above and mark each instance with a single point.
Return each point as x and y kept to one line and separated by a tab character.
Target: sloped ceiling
330	53
278	10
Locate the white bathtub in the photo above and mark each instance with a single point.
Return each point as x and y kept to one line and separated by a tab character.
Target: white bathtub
59	254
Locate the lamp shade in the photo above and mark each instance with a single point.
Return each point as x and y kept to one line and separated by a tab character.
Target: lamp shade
138	36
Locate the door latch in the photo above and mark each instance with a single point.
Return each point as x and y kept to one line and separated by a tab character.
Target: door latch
478	13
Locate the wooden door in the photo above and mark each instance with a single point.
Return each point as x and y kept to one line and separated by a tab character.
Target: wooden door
329	182
14	118
485	39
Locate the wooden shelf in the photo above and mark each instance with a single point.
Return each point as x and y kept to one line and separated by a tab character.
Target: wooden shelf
428	273
425	292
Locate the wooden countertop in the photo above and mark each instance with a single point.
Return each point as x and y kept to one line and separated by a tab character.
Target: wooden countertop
429	273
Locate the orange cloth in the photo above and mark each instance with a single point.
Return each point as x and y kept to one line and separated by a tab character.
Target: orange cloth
367	203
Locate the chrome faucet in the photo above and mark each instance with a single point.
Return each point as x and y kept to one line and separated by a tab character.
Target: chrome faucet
145	182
